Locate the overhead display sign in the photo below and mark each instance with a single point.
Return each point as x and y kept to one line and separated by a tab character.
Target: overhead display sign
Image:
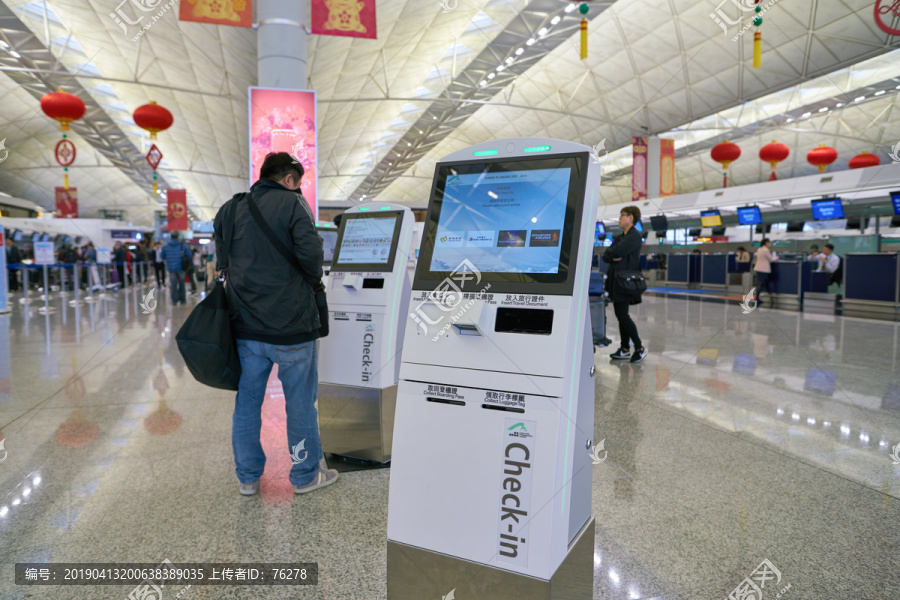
285	121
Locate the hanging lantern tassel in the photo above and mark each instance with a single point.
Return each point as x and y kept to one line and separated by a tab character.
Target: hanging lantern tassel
583	9
757	38
66	177
154	183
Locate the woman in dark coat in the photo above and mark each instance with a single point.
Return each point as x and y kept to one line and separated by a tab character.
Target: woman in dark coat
625	255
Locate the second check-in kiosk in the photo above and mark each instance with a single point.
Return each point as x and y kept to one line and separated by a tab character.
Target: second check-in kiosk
490	490
359	361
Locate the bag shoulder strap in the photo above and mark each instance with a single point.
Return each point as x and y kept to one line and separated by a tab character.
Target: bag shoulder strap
228	231
282	249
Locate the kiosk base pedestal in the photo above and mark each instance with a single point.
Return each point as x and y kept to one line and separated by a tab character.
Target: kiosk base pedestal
357	422
414	573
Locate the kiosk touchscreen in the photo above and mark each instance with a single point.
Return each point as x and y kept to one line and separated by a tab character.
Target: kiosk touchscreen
490	490
368	292
329	234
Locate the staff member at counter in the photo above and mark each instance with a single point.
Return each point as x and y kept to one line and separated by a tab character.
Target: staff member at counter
828	260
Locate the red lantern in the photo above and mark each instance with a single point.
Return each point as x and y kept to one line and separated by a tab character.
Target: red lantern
153	117
863	160
822	157
62	106
773	154
725	153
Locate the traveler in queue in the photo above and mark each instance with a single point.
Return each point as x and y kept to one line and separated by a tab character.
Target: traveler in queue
275	320
12	258
764	259
625	255
177	257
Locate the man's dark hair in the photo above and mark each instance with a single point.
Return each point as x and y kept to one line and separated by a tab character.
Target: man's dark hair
337	219
764	241
830	247
634	211
278	164
814	247
174	235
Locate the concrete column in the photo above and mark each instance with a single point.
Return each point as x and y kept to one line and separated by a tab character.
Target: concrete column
653	163
281	44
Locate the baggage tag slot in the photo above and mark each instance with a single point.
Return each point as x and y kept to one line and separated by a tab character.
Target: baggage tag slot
534	321
446	401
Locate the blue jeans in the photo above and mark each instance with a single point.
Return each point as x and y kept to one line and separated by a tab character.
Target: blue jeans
299	375
176	286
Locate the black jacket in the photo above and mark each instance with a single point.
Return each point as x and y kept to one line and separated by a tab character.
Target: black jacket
626	246
269	301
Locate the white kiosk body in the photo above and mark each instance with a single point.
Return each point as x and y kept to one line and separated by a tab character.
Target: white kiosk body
490	490
368	291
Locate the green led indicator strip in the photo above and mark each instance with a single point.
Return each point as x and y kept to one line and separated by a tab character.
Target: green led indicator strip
366	208
536	149
485	153
384	208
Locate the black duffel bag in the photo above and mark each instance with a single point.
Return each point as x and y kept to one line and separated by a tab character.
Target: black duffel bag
632	283
207	343
206	340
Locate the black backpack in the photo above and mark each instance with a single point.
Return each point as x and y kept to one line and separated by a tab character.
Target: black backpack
838	275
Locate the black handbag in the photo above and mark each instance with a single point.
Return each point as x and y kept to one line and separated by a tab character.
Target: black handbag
206	340
318	287
631	282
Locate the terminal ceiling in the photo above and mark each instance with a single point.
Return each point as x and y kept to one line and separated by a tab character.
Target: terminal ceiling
390	108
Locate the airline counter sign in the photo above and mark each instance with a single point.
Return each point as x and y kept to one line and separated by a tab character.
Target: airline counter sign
515	491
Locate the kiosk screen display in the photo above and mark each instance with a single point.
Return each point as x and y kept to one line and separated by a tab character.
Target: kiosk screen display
895	199
514	220
827	209
329	241
599	234
710	218
749	215
367	242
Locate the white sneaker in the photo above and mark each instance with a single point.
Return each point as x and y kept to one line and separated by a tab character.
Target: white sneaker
323	478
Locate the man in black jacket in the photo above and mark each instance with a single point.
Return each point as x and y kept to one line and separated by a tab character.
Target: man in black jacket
275	320
625	255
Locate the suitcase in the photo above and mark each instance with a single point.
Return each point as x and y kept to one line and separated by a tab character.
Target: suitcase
597	302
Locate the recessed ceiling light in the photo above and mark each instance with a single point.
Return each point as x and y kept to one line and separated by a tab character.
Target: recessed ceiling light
823	109
570	8
510	60
408	144
500	68
490	75
839	104
15	54
790	121
860	99
520	51
421	132
483	83
879	93
555	20
3	44
542	31
806	114
530	41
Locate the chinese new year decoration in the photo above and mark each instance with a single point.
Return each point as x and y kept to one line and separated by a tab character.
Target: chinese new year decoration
863	160
154	118
773	154
725	153
822	157
757	37
65	108
583	8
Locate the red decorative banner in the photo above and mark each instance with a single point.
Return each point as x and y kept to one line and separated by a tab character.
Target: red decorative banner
639	168
178	213
350	18
666	168
67	202
285	121
237	13
887	16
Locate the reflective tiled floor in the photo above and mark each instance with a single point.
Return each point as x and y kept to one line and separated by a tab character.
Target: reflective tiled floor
742	438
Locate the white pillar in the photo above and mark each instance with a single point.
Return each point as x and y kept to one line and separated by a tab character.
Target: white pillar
281	44
653	162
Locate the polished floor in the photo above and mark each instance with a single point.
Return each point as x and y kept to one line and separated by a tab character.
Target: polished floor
740	439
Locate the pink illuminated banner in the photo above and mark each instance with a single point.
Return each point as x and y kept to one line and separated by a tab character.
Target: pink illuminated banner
285	121
639	169
666	168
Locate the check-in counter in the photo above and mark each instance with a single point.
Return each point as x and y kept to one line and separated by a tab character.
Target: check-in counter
683	270
790	279
740	277
817	299
714	271
872	285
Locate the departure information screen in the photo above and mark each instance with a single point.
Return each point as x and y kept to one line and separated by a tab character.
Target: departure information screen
367	241
749	215
504	222
827	209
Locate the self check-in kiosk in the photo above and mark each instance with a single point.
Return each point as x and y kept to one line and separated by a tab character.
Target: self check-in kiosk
490	491
329	234
359	361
